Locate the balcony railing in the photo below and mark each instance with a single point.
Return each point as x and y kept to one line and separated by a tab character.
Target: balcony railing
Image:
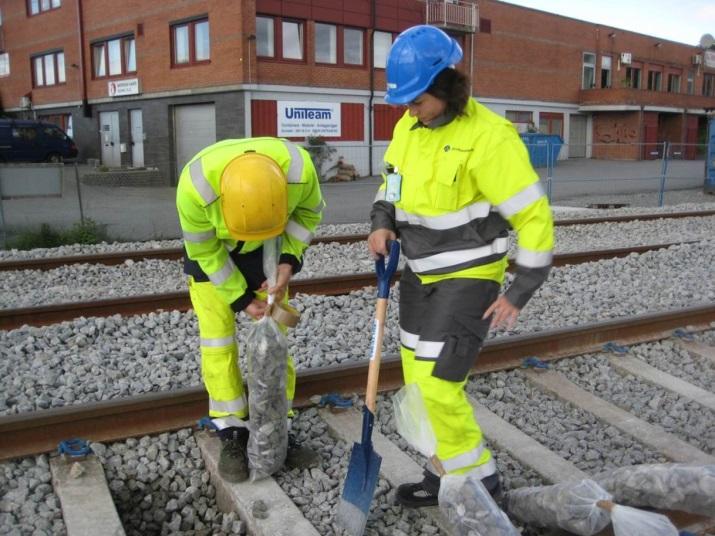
642	97
455	15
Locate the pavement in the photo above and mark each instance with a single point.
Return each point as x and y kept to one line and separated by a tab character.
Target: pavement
149	213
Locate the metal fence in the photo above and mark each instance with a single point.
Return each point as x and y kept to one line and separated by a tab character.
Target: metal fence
609	175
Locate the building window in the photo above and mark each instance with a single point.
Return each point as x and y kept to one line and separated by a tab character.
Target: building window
589	71
673	83
633	77
35	7
523	120
333	42
4	64
281	39
382	41
114	57
551	123
654	78
691	83
605	71
48	69
708	85
190	43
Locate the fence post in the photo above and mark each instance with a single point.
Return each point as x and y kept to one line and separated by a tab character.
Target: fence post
79	193
549	169
663	172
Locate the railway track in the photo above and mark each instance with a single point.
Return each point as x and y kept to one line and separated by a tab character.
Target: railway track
329	286
177	253
41	431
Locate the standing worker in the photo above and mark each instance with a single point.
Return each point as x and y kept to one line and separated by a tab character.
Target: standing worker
231	197
457	178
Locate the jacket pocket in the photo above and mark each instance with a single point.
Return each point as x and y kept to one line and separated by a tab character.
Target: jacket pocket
445	188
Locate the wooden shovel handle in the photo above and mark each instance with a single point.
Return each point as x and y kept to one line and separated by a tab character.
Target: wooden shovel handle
373	371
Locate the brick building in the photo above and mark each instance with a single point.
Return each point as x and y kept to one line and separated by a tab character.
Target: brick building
150	83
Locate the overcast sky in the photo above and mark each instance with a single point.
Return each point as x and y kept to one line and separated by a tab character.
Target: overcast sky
684	21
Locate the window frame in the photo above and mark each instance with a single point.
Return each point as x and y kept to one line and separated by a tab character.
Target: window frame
373	48
55	69
340	49
690	83
278	53
591	66
630	80
190	24
655	79
673	77
609	77
124	70
51	5
5	60
708	85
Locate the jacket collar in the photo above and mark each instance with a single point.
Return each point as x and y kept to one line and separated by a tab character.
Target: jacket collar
438	121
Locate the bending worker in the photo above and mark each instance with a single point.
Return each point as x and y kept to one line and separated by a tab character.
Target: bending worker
457	178
231	196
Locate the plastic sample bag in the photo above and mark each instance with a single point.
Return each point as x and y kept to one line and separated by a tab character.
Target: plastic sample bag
567	505
464	501
629	521
670	486
267	354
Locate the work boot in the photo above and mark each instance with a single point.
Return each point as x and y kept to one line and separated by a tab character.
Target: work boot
426	493
300	456
233	461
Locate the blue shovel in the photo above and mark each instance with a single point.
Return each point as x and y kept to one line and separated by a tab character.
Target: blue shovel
364	464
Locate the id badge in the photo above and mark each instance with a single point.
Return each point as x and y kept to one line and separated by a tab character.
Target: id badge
393	187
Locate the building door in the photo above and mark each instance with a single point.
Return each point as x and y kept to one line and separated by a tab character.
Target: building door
577	136
109	138
194	129
551	123
136	128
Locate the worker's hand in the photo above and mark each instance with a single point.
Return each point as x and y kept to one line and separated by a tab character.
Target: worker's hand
256	309
377	242
283	275
503	313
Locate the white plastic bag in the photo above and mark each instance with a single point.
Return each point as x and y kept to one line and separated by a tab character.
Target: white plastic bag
267	354
567	505
411	420
629	521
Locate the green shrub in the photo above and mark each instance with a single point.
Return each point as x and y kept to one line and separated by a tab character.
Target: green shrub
86	232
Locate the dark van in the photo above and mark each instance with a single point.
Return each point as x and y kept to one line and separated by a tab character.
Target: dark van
34	141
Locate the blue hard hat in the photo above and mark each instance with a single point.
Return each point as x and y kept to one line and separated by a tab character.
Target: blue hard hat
417	56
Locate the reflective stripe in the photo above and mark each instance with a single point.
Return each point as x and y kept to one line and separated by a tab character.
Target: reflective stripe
237	405
422	349
198	179
533	259
295	170
446	221
521	200
319	207
217	342
484	470
219	277
463	460
228	422
298	231
408	340
199	237
380	196
460	256
228	245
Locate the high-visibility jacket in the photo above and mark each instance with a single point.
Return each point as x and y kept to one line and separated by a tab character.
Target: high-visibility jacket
206	238
463	185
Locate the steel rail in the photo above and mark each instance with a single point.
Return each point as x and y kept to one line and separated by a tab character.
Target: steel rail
327	286
177	253
41	431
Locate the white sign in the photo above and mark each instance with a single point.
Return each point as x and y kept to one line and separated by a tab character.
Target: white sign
308	119
119	88
710	58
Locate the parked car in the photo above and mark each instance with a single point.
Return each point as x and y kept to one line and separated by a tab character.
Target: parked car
34	141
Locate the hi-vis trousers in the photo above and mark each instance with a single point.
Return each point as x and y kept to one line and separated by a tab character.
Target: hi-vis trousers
219	355
441	333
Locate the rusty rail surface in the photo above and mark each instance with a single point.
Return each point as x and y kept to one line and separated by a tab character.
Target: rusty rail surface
41	431
327	286
177	253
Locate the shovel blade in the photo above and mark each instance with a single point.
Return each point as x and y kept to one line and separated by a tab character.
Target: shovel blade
359	488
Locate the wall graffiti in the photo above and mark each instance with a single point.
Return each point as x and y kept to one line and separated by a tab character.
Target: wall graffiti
616	133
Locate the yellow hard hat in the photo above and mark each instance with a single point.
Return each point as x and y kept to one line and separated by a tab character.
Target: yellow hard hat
254	197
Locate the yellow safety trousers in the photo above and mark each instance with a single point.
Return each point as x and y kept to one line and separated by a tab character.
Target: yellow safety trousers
219	364
449	411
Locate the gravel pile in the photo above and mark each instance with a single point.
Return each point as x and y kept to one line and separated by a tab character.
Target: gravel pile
87	282
684	418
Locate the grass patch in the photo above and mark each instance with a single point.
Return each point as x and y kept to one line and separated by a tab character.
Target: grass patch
86	232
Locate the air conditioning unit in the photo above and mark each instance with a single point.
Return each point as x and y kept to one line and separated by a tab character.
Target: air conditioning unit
25	102
697	59
626	58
